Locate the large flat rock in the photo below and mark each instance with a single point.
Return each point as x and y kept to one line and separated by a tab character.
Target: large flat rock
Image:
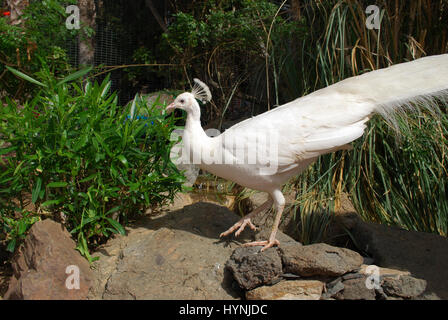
319	259
177	255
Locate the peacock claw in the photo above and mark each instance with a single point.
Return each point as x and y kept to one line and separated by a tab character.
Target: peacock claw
266	244
240	225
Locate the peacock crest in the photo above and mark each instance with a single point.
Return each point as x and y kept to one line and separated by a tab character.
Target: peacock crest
201	91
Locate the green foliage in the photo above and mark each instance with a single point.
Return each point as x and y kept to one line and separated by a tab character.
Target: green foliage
393	182
403	183
14	228
78	157
228	42
42	35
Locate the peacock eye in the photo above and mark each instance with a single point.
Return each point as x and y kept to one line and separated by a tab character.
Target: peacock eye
182	101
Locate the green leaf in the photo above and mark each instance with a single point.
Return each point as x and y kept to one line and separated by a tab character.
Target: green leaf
103	144
18	168
99	157
88	178
81	142
106	89
36	190
84	222
11	245
76	75
25	77
50	203
60	184
7	150
117	226
123	160
22	227
113	210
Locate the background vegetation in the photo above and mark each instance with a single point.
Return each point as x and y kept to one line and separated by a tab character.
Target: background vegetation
393	182
92	172
41	35
71	153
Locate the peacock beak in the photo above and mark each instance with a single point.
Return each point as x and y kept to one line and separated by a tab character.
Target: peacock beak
170	108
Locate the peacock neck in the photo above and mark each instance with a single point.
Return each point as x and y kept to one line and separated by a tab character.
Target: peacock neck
196	140
193	125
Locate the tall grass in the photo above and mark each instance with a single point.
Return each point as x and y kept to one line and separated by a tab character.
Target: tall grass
397	182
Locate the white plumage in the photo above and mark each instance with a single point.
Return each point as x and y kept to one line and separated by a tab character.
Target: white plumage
300	131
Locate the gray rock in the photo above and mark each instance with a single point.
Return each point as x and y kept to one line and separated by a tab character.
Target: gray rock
41	263
428	296
290	276
288	290
380	294
356	289
319	260
177	255
423	254
333	289
352	275
252	268
403	286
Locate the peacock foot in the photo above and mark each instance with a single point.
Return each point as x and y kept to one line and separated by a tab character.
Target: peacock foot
240	225
266	244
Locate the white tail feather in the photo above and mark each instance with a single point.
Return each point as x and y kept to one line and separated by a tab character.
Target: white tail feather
394	90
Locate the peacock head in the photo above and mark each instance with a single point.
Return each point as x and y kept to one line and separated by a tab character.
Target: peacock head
184	101
187	100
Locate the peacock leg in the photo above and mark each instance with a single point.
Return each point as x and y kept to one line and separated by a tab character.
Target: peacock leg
246	220
279	201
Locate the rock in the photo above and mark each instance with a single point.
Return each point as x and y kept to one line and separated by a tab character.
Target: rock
352	275
403	286
428	296
382	272
41	263
319	260
380	295
179	202
160	97
424	255
333	289
288	290
252	268
168	264
176	255
290	276
151	98
356	289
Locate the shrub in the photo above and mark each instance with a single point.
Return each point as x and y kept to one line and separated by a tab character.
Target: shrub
78	156
233	44
41	35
